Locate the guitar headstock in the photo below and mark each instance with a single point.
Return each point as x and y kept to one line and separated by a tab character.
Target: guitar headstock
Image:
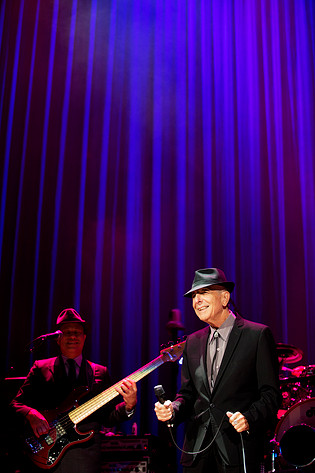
173	352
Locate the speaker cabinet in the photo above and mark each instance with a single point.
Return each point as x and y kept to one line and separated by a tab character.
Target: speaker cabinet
134	454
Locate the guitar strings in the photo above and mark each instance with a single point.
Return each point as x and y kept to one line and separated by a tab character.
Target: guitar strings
83	411
100	400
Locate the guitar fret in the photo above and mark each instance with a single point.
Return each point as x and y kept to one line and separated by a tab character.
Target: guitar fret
54	443
81	412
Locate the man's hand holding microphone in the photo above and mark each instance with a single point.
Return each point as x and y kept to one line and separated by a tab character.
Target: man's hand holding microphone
164	409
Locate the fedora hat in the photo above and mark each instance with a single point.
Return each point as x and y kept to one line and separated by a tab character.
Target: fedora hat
70	316
209	277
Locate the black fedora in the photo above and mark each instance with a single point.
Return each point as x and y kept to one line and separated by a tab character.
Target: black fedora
209	277
70	316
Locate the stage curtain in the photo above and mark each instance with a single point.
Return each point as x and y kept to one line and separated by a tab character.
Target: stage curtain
142	140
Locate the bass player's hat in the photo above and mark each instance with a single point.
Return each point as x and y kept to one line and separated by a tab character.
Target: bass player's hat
71	316
209	277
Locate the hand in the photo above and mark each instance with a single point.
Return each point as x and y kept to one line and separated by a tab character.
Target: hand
238	421
38	422
128	390
164	412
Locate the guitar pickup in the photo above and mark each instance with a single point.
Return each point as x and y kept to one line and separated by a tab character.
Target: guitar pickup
58	430
49	440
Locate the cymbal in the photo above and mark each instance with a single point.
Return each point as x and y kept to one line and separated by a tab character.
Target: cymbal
288	353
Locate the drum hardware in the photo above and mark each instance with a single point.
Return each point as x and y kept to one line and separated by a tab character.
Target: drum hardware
308	371
292	392
295	435
306	379
298	370
294	438
298	387
274	452
308	376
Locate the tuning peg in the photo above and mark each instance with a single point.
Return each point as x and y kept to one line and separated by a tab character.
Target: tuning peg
170	343
163	346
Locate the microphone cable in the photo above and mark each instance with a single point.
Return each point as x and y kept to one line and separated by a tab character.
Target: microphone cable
197	451
160	394
209	445
243	453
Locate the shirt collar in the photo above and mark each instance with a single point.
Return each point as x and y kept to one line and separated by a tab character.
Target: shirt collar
225	329
78	359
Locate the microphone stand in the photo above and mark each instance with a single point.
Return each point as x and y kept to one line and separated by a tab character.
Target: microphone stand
35	344
173	326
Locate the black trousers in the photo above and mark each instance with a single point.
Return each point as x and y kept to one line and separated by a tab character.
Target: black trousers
211	462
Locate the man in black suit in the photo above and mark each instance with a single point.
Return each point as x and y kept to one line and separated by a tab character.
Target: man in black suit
51	381
229	392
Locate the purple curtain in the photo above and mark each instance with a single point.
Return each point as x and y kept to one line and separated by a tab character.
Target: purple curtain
141	140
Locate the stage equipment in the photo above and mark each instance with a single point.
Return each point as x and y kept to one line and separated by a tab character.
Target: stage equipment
295	434
293	391
288	353
147	454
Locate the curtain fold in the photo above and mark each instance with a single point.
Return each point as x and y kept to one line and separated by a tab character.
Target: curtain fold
141	141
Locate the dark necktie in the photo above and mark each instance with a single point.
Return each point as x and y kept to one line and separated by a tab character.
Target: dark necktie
72	375
213	369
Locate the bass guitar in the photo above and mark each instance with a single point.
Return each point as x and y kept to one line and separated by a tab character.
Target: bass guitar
46	451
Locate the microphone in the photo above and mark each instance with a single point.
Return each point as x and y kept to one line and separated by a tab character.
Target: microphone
160	394
49	335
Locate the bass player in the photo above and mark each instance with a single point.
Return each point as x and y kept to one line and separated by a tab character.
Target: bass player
49	384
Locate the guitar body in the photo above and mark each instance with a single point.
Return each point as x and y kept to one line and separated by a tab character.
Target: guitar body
46	451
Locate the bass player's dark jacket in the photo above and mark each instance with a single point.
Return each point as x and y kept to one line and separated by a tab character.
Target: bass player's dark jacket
46	388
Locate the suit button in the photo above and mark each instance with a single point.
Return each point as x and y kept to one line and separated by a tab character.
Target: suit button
212	405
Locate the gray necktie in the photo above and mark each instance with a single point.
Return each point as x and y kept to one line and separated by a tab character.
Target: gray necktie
213	368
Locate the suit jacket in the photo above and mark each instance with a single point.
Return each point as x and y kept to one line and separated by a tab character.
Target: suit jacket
46	387
247	382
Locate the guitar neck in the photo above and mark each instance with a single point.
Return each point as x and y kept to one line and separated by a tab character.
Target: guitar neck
80	413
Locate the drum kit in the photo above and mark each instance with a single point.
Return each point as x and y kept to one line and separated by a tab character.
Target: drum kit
294	440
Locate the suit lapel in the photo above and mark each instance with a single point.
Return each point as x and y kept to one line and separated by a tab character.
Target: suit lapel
230	348
90	373
86	374
203	357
